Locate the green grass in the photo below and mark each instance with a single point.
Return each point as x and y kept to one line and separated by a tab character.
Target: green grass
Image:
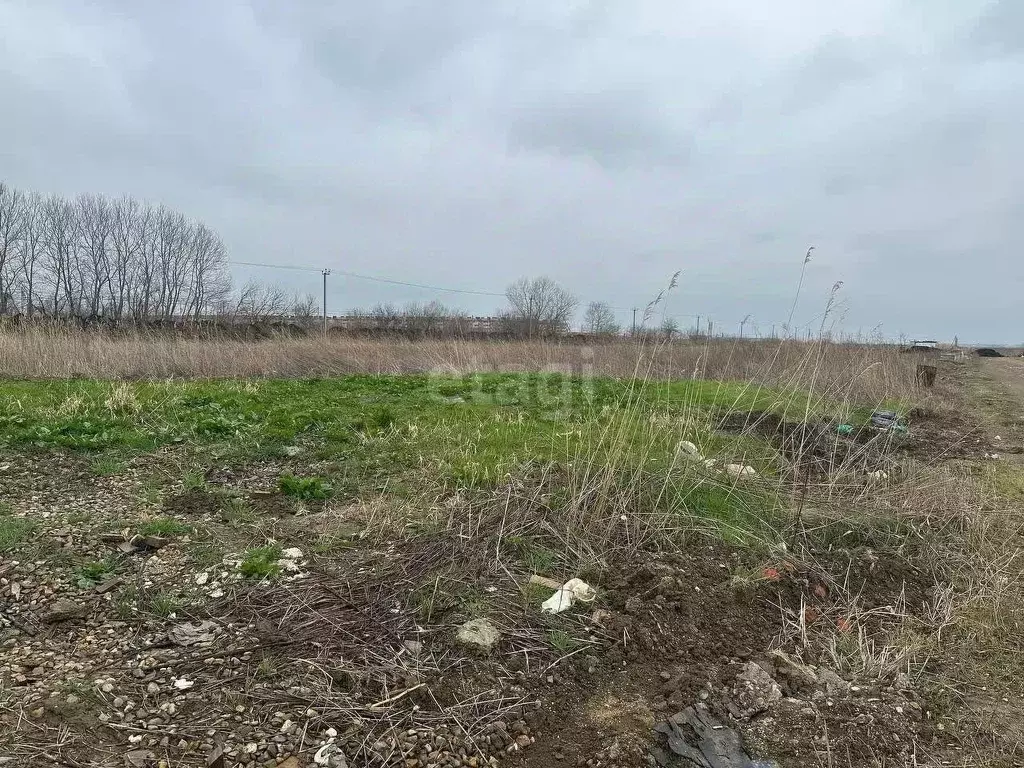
305	488
412	433
561	641
163	604
261	563
92	573
106	466
337	413
14	531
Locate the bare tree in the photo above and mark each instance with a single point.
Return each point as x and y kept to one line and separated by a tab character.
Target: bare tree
599	319
12	221
669	328
305	310
259	303
385	317
539	306
31	250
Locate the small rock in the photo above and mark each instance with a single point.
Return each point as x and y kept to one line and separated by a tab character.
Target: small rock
479	634
740	470
755	691
64	610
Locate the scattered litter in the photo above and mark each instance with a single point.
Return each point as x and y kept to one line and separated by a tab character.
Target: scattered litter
710	463
740	470
703	741
544	581
567	594
183	684
887	420
323	755
845	429
878	475
192	634
689	448
292	553
202	578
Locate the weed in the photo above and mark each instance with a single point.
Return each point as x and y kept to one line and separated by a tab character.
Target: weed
535	557
207	553
91	574
261	563
267	668
305	488
126	603
106	466
193	480
14	531
561	641
163	604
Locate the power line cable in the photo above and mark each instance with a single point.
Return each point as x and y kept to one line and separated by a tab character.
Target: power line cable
373	278
465	291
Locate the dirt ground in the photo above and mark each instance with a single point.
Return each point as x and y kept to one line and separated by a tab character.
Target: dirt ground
172	658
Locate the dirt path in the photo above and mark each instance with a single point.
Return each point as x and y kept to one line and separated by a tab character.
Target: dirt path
998	389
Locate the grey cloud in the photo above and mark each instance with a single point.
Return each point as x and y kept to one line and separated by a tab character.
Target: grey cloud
612	127
999	29
604	143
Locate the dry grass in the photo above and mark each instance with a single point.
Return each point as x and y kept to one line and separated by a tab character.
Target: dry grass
867	372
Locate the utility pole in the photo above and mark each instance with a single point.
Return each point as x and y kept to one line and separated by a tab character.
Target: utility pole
634	320
743	322
698	327
326	272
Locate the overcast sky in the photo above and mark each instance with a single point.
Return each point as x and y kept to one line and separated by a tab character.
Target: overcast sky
606	144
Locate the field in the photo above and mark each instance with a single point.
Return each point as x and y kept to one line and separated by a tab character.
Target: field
295	552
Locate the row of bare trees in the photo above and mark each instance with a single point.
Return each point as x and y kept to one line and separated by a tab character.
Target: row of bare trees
94	257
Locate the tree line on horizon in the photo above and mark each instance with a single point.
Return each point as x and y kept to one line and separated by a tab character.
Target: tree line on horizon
105	261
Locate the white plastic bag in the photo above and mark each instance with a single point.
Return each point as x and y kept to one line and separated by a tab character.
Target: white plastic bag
572	591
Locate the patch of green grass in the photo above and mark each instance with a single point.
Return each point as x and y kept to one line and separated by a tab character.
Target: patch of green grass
166	527
305	488
126	603
237	512
561	641
1005	478
535	557
208	553
92	573
150	491
14	530
261	563
193	480
267	669
106	466
163	604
